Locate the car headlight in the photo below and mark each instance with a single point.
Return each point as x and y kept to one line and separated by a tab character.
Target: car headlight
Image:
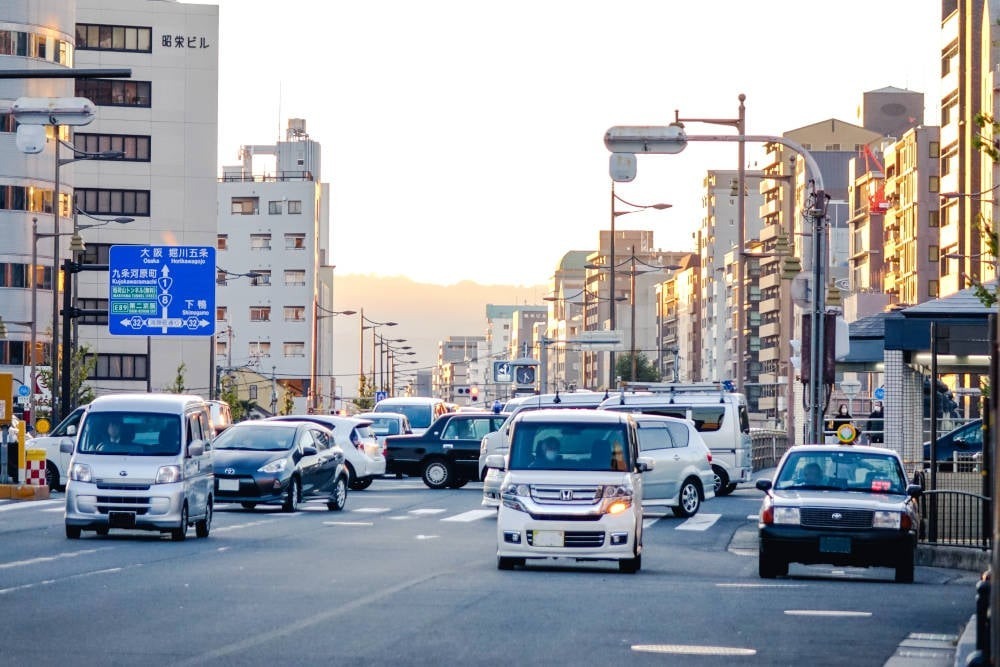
787	516
883	519
516	490
277	465
168	475
79	472
620	491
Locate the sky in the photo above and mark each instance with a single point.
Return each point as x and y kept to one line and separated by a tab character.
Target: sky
463	140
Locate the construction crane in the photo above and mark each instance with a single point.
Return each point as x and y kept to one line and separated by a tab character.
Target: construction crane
877	203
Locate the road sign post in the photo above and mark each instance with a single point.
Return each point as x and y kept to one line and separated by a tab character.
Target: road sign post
161	290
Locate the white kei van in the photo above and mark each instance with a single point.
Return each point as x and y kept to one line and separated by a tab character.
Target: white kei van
421	411
142	462
719	415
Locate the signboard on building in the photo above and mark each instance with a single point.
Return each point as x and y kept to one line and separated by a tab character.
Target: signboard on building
161	290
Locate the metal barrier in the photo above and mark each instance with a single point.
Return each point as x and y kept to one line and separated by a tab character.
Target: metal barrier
767	448
955	519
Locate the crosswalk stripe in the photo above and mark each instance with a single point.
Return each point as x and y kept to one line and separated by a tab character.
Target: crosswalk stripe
13	505
700	522
646	523
428	511
471	515
372	510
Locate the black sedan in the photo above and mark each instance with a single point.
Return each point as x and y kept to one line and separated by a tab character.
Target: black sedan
278	463
839	505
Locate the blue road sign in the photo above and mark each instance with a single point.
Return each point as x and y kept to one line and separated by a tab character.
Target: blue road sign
502	372
161	290
23	390
381	396
880	394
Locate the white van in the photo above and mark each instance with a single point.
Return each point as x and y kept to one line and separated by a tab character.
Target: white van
573	489
719	415
421	411
142	462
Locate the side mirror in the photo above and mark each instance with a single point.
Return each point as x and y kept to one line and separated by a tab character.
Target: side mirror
309	450
645	463
764	485
496	461
914	490
66	446
196	448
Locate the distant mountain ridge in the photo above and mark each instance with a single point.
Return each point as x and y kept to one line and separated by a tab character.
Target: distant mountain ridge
426	314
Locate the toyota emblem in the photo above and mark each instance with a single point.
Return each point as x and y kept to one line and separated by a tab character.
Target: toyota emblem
230	471
123	473
837	515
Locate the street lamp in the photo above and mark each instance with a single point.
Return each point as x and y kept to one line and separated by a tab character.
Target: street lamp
319	313
585	378
222	277
367	323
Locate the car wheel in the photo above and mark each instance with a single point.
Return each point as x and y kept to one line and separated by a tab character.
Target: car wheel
339	496
630	565
457	483
722	485
437	474
770	566
360	484
73	532
904	568
690	499
179	534
204	527
505	563
52	476
291	503
248	506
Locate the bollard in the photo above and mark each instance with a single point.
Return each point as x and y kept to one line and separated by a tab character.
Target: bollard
35	468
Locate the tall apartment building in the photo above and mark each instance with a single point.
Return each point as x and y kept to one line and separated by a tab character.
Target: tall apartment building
451	373
163	119
565	323
275	281
679	319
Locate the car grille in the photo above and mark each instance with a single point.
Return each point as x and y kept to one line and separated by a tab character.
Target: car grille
578	539
565	495
135	504
814	517
115	485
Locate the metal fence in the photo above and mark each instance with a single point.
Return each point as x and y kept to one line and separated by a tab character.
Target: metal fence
955	519
768	447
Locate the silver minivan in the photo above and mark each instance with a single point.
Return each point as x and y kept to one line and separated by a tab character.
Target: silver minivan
142	462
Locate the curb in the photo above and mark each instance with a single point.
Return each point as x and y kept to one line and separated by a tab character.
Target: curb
954	558
24	492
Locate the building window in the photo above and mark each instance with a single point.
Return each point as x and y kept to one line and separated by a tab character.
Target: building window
134	146
93	304
96	253
116	92
295	241
260	348
261	278
19	275
221	348
35	45
933	219
274	208
933	253
932	288
934	149
221	313
295	313
260	241
112	202
295	278
222	242
244	205
260	313
295	206
933	184
253	392
295	349
119	367
95	37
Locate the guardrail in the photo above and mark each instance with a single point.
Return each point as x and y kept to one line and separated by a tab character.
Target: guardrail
955	519
767	447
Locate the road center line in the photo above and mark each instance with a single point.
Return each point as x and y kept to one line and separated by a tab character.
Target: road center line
828	613
49	559
25	504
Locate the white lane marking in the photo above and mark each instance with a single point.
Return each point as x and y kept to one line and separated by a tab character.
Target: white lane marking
401	517
471	515
49	559
421	512
427	537
348	523
238	526
753	517
687	649
25	504
47	582
646	523
760	585
371	510
700	522
54	509
828	613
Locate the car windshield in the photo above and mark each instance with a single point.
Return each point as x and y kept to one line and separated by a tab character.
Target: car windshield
419	416
842	470
255	438
131	433
384	425
562	446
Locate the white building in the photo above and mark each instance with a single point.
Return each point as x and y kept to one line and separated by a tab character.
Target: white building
163	118
276	227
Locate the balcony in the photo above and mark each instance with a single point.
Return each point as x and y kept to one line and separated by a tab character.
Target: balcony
770	329
770	305
771	280
770	208
768	354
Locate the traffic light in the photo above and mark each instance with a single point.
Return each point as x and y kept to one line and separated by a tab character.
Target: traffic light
474	391
525	375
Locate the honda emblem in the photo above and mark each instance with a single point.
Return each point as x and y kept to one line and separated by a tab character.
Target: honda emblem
567	494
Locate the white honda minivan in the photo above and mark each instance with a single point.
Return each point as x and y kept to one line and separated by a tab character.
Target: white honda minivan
572	489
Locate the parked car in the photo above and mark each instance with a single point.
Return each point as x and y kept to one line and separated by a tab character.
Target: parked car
966	441
420	410
386	424
841	505
447	453
56	460
265	462
683	475
222	416
573	489
363	455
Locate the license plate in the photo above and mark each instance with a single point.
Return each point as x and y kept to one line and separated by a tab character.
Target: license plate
121	519
547	538
229	485
835	545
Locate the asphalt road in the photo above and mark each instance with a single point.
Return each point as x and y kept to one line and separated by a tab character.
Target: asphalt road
407	576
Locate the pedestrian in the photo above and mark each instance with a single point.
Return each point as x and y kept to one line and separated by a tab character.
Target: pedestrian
843	416
876	424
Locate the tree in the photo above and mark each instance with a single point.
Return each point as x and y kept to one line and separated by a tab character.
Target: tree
230	395
366	397
644	369
987	141
82	363
177	387
287	402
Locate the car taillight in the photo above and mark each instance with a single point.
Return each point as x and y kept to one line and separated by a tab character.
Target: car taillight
905	522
